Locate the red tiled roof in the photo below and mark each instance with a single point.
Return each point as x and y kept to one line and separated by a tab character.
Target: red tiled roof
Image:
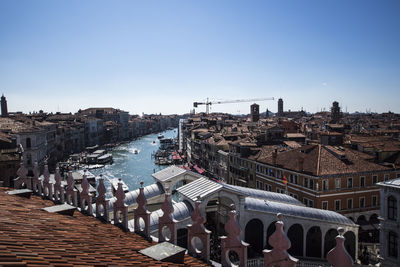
321	160
31	236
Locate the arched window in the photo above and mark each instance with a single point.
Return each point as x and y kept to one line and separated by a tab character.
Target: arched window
392	208
393	244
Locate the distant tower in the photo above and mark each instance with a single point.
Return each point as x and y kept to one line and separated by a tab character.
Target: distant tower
4	111
280	107
255	112
335	112
267	114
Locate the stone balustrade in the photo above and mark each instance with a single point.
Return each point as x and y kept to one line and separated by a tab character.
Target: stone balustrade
234	250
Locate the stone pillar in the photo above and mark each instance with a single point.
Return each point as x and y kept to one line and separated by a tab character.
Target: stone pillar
120	211
22	176
279	256
47	186
166	220
197	230
85	197
36	183
70	192
305	241
338	256
141	212
232	242
101	202
59	193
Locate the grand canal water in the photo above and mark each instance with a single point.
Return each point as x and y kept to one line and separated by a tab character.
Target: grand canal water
133	168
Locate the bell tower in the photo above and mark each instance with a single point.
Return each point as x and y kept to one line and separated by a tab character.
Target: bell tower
4	111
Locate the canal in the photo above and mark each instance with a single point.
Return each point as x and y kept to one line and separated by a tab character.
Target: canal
133	168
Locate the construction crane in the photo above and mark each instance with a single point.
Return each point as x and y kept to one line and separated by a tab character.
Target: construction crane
209	103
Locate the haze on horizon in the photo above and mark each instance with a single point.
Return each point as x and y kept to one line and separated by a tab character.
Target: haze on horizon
161	56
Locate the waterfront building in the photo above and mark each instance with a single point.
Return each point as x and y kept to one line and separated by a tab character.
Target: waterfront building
390	220
10	158
30	136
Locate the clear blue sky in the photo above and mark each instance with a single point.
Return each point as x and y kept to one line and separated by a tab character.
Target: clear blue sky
160	56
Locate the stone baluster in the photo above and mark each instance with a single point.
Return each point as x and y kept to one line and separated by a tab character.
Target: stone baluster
47	185
141	212
338	256
22	177
232	242
70	192
166	220
120	208
197	234
101	201
279	256
59	193
85	197
36	182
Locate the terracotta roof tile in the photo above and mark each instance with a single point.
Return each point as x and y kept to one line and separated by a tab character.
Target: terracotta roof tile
33	237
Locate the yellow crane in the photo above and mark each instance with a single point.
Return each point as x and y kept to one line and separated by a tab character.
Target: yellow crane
209	103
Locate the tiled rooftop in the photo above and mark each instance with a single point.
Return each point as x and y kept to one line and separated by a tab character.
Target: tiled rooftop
31	237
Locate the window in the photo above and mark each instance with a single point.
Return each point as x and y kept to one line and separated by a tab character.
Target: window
362	202
386	177
311	184
296	179
258	168
374	179
259	185
305	201
311	203
393	244
325	185
272	172
324	205
291	179
392	208
362	181
349	203
278	190
350	182
337	204
28	142
305	182
337	183
267	187
374	201
398	175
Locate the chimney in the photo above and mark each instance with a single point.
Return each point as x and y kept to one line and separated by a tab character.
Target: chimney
274	156
301	164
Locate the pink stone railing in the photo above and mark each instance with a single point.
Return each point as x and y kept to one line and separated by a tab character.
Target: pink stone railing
102	211
278	256
338	256
233	243
120	211
198	235
166	221
85	197
141	213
